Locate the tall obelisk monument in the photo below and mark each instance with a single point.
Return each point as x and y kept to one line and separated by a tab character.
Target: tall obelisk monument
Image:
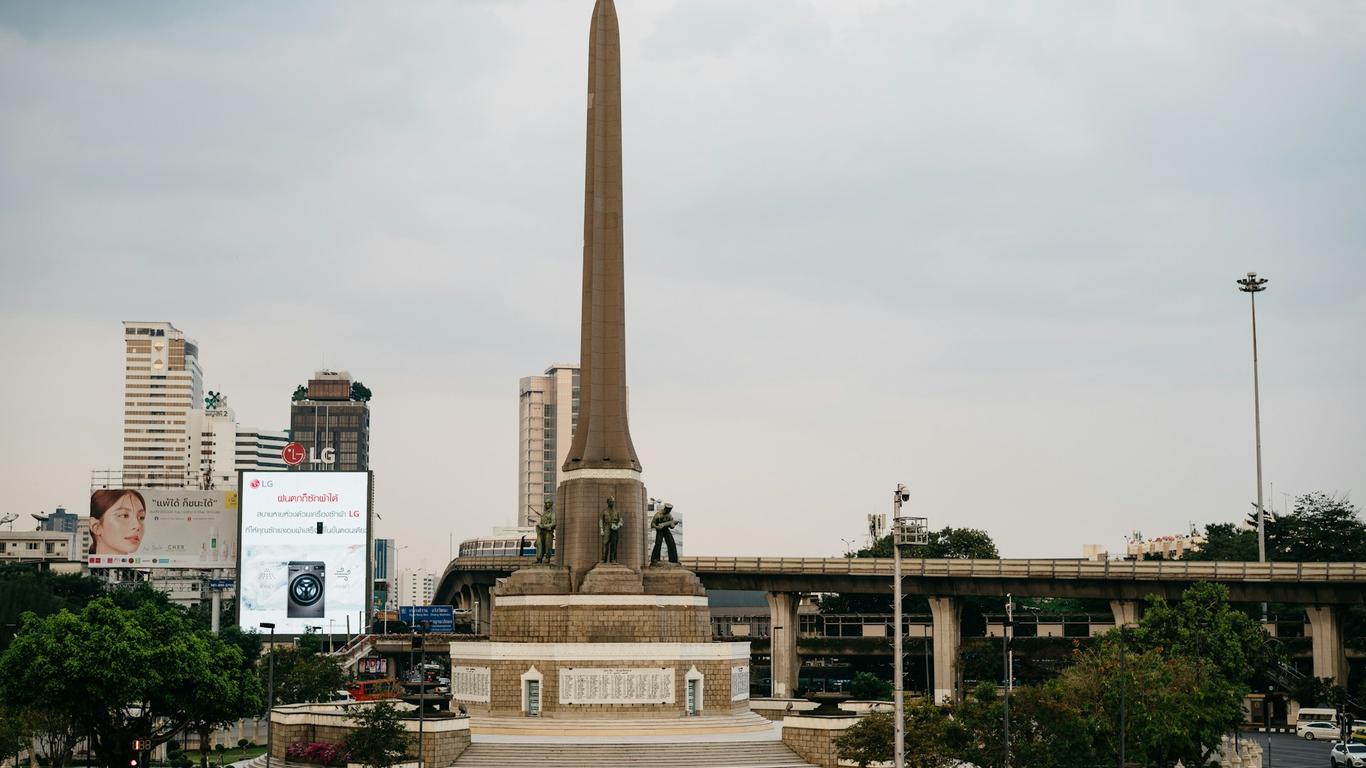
602	461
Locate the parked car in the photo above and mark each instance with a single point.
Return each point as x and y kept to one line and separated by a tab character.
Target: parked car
1347	755
1317	729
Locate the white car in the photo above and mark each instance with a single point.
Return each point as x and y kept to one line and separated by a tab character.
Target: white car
1347	755
1316	729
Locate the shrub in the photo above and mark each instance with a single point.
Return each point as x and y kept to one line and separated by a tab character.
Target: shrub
316	753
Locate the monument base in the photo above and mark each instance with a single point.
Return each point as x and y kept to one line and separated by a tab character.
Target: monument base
538	579
671	579
611	579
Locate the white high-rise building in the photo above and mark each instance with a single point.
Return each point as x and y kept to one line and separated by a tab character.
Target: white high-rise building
259	449
162	384
416	587
212	437
547	413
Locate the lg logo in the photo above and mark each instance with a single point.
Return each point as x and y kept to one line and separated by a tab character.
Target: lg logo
256	483
295	454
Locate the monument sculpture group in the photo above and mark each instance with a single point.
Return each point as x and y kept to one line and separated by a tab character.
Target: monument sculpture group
591	630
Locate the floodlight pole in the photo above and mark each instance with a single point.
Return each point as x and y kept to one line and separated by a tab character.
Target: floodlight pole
1252	285
898	703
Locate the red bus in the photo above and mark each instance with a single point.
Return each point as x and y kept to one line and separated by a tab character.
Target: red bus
370	690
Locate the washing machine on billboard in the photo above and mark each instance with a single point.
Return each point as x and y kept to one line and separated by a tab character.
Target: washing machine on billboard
306	583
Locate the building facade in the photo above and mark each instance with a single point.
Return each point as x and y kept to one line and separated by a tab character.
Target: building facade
1172	547
547	414
60	521
259	449
385	584
328	416
162	384
416	587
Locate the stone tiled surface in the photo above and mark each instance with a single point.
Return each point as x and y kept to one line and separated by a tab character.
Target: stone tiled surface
535	580
440	749
601	624
815	746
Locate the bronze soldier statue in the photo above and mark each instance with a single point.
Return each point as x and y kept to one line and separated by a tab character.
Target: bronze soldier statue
664	522
545	532
609	528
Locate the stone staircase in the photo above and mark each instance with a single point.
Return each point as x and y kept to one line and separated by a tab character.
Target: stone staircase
738	754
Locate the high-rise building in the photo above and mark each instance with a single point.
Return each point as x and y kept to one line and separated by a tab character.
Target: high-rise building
59	520
212	438
162	383
332	412
385	585
260	449
547	413
416	587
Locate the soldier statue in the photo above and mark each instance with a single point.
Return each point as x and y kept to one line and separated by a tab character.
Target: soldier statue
664	522
545	532
609	528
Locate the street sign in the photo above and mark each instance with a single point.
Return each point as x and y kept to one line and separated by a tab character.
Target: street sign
221	583
441	618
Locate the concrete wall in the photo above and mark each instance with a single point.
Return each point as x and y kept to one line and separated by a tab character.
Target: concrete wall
813	738
443	740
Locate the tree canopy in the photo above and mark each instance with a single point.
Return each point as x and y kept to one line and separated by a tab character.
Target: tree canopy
121	674
1321	528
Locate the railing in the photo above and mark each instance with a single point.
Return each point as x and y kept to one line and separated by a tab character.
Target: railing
1179	570
354	651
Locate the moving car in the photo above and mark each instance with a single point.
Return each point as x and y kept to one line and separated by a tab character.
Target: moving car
1343	755
1317	729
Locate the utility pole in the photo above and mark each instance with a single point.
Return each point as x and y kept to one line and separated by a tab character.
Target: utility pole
1252	285
1007	632
906	531
270	697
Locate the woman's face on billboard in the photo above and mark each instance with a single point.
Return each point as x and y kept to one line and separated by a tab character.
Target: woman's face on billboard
119	529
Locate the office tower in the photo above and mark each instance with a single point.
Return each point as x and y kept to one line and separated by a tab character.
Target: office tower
333	411
548	412
259	449
162	383
60	520
211	434
385	587
416	587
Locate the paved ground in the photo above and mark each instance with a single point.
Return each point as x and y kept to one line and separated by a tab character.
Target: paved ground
1288	751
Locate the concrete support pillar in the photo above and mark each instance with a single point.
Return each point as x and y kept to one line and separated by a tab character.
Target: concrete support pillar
948	614
782	634
1330	655
1126	612
483	608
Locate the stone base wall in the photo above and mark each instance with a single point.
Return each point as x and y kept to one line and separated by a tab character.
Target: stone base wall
601	623
813	738
443	740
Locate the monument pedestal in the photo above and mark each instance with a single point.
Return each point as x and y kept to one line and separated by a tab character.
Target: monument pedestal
671	579
611	579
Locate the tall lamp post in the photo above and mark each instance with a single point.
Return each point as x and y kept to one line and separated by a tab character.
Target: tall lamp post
270	695
905	531
1252	285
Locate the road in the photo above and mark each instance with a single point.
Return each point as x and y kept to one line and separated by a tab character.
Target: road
1288	751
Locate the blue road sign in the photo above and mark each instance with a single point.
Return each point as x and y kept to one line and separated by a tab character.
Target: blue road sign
441	618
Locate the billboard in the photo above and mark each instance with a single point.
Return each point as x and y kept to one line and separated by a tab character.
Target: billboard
439	618
305	545
162	528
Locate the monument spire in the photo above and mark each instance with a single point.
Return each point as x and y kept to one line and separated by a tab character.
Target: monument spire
602	439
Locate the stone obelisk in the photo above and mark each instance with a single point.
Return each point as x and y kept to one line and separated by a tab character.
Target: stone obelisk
602	461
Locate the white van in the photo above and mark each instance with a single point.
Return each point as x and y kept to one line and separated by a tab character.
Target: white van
1317	714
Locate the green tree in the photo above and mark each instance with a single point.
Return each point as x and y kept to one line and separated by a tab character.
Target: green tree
300	393
869	687
1227	542
119	674
954	543
360	392
379	738
1202	625
927	735
304	676
868	741
236	692
1322	528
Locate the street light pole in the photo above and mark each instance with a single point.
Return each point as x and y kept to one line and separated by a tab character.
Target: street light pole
270	696
898	696
1252	285
1006	631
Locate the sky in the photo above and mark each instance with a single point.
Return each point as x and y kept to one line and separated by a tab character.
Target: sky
984	249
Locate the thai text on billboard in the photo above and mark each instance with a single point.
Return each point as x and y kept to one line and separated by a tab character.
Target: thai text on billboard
162	528
305	550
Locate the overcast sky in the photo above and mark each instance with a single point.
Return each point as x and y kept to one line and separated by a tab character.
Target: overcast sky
987	250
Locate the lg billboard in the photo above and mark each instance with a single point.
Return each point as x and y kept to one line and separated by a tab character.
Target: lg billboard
162	528
305	546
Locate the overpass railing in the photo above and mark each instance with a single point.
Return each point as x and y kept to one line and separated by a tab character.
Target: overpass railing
1160	570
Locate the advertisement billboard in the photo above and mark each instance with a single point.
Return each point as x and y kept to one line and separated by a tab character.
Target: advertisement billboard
305	545
439	618
162	528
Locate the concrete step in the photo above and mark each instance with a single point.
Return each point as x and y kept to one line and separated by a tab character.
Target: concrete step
682	755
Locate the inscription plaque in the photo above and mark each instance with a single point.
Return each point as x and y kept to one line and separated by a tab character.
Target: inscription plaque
470	684
617	685
739	682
